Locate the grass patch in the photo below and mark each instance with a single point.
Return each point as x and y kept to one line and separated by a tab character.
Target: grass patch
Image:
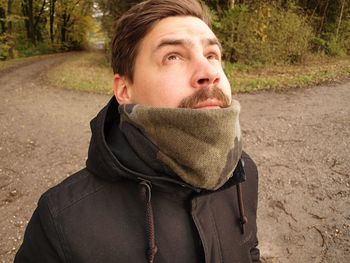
12	63
280	77
87	71
91	72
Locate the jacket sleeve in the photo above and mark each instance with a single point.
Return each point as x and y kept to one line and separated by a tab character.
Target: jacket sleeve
41	242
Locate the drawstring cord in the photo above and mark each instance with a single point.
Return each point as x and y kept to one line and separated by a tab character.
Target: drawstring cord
243	219
146	197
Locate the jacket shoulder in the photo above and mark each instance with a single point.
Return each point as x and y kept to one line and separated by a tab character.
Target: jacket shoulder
249	165
251	185
70	191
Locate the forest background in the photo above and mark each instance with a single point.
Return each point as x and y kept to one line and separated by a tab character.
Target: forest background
254	33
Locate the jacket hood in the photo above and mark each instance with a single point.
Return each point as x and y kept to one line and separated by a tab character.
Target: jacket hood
112	158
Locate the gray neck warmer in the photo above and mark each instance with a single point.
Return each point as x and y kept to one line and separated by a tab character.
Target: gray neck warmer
200	146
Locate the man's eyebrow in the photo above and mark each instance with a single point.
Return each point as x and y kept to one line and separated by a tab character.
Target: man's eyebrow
213	41
185	42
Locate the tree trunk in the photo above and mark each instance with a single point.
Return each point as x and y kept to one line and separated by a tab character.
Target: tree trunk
65	18
27	8
9	26
2	21
52	18
36	31
340	19
323	17
314	10
31	22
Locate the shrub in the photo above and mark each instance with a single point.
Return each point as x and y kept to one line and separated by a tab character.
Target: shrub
318	45
4	51
334	48
289	36
267	34
344	38
6	42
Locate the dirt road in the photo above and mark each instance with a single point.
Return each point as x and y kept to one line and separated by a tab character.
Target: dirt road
299	139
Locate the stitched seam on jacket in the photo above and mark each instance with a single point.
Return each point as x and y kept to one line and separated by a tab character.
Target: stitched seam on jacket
215	231
201	232
79	199
59	234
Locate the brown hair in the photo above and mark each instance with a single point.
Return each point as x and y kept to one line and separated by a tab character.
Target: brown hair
134	24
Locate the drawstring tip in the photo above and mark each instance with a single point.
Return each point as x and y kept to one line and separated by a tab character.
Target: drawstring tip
243	221
146	197
151	254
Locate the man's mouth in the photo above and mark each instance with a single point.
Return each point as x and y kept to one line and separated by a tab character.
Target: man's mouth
209	104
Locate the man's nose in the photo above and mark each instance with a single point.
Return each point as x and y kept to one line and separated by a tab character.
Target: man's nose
205	73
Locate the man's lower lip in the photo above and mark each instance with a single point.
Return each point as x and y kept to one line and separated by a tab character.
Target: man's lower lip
207	107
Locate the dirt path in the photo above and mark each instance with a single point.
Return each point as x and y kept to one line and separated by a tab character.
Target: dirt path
301	143
299	139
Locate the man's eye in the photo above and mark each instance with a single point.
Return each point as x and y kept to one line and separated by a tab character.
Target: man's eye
172	57
213	56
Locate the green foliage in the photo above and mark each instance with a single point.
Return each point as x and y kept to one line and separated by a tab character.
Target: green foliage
44	26
4	51
318	44
257	32
265	35
26	50
334	48
289	35
344	36
112	10
6	42
279	77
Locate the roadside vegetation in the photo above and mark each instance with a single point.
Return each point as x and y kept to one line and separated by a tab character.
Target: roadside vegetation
87	71
281	77
13	63
35	27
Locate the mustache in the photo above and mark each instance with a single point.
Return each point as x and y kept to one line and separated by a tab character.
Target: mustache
204	94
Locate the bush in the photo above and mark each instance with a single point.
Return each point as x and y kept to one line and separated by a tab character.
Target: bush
41	48
6	43
289	36
267	34
318	45
26	50
344	38
334	48
4	51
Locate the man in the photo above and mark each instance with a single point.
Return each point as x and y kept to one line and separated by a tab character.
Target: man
166	180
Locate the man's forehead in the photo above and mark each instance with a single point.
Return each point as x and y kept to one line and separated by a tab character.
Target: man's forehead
182	24
186	42
181	30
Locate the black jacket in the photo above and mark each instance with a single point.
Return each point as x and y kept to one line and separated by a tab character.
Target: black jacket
118	210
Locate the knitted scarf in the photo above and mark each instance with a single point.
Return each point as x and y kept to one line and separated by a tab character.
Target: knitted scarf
201	146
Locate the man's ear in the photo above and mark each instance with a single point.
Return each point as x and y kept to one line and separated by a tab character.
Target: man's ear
121	89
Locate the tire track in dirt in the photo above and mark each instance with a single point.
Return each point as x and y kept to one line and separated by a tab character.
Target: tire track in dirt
299	139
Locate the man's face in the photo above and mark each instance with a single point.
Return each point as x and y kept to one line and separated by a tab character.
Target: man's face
178	64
